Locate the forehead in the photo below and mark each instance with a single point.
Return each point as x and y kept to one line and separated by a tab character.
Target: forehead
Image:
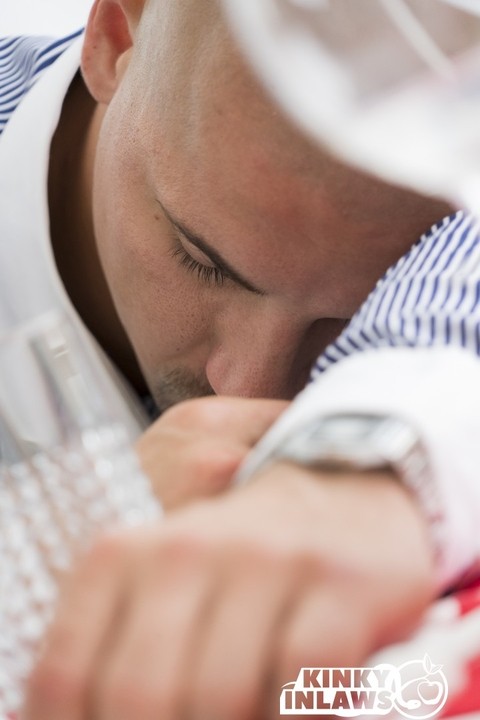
207	117
201	108
226	162
198	87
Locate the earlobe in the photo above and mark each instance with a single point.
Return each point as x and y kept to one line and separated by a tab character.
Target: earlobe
108	38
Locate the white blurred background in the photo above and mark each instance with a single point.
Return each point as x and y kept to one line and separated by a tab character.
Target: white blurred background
42	17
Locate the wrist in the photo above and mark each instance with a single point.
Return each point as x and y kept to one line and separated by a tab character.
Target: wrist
364	539
369	445
376	510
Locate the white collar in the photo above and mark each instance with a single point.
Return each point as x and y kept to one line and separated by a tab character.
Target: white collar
29	279
28	273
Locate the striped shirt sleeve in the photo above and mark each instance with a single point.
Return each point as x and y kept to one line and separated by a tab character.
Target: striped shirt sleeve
23	60
431	297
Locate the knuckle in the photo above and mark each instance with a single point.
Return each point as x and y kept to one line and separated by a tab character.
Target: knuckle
301	559
213	465
124	695
55	684
295	567
191	414
107	550
277	558
185	546
308	564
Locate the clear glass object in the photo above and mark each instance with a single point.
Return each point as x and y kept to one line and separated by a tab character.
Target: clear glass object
68	471
392	86
67	474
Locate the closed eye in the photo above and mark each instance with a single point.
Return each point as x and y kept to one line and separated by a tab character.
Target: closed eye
208	274
219	270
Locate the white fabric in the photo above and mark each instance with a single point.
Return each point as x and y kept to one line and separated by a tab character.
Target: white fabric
38	17
25	224
24	213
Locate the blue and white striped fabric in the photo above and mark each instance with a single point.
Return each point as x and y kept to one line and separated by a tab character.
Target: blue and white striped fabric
430	297
22	62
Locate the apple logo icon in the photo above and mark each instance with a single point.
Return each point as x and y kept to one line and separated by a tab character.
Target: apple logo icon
421	689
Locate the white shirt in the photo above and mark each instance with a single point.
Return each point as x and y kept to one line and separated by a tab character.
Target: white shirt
30	285
24	213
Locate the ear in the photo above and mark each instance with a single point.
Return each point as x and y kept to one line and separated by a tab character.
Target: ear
109	37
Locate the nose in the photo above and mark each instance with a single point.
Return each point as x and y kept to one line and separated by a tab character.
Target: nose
268	355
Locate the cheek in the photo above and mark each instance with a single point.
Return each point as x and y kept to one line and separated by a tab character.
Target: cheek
158	303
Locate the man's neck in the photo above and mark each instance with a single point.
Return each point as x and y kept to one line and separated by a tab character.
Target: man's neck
73	239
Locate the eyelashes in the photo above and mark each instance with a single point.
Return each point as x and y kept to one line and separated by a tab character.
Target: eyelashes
209	275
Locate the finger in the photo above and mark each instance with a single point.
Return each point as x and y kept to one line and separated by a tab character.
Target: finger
194	450
145	673
242	419
236	653
88	606
182	472
326	629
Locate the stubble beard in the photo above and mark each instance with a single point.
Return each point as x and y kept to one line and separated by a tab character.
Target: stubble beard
177	386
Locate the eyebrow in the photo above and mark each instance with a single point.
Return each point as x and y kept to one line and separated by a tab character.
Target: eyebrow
211	253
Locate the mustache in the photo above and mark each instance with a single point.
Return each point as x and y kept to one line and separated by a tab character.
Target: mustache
177	386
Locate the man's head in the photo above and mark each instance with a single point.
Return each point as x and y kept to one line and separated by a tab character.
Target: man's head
234	250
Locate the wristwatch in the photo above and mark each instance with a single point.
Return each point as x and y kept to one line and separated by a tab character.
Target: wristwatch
357	441
361	442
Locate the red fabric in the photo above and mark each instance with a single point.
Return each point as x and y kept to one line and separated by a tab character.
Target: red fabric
468	599
450	636
466	698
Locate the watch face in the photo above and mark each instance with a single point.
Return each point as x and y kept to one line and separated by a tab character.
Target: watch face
347	427
359	440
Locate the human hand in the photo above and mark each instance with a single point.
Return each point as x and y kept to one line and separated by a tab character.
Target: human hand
195	448
206	616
